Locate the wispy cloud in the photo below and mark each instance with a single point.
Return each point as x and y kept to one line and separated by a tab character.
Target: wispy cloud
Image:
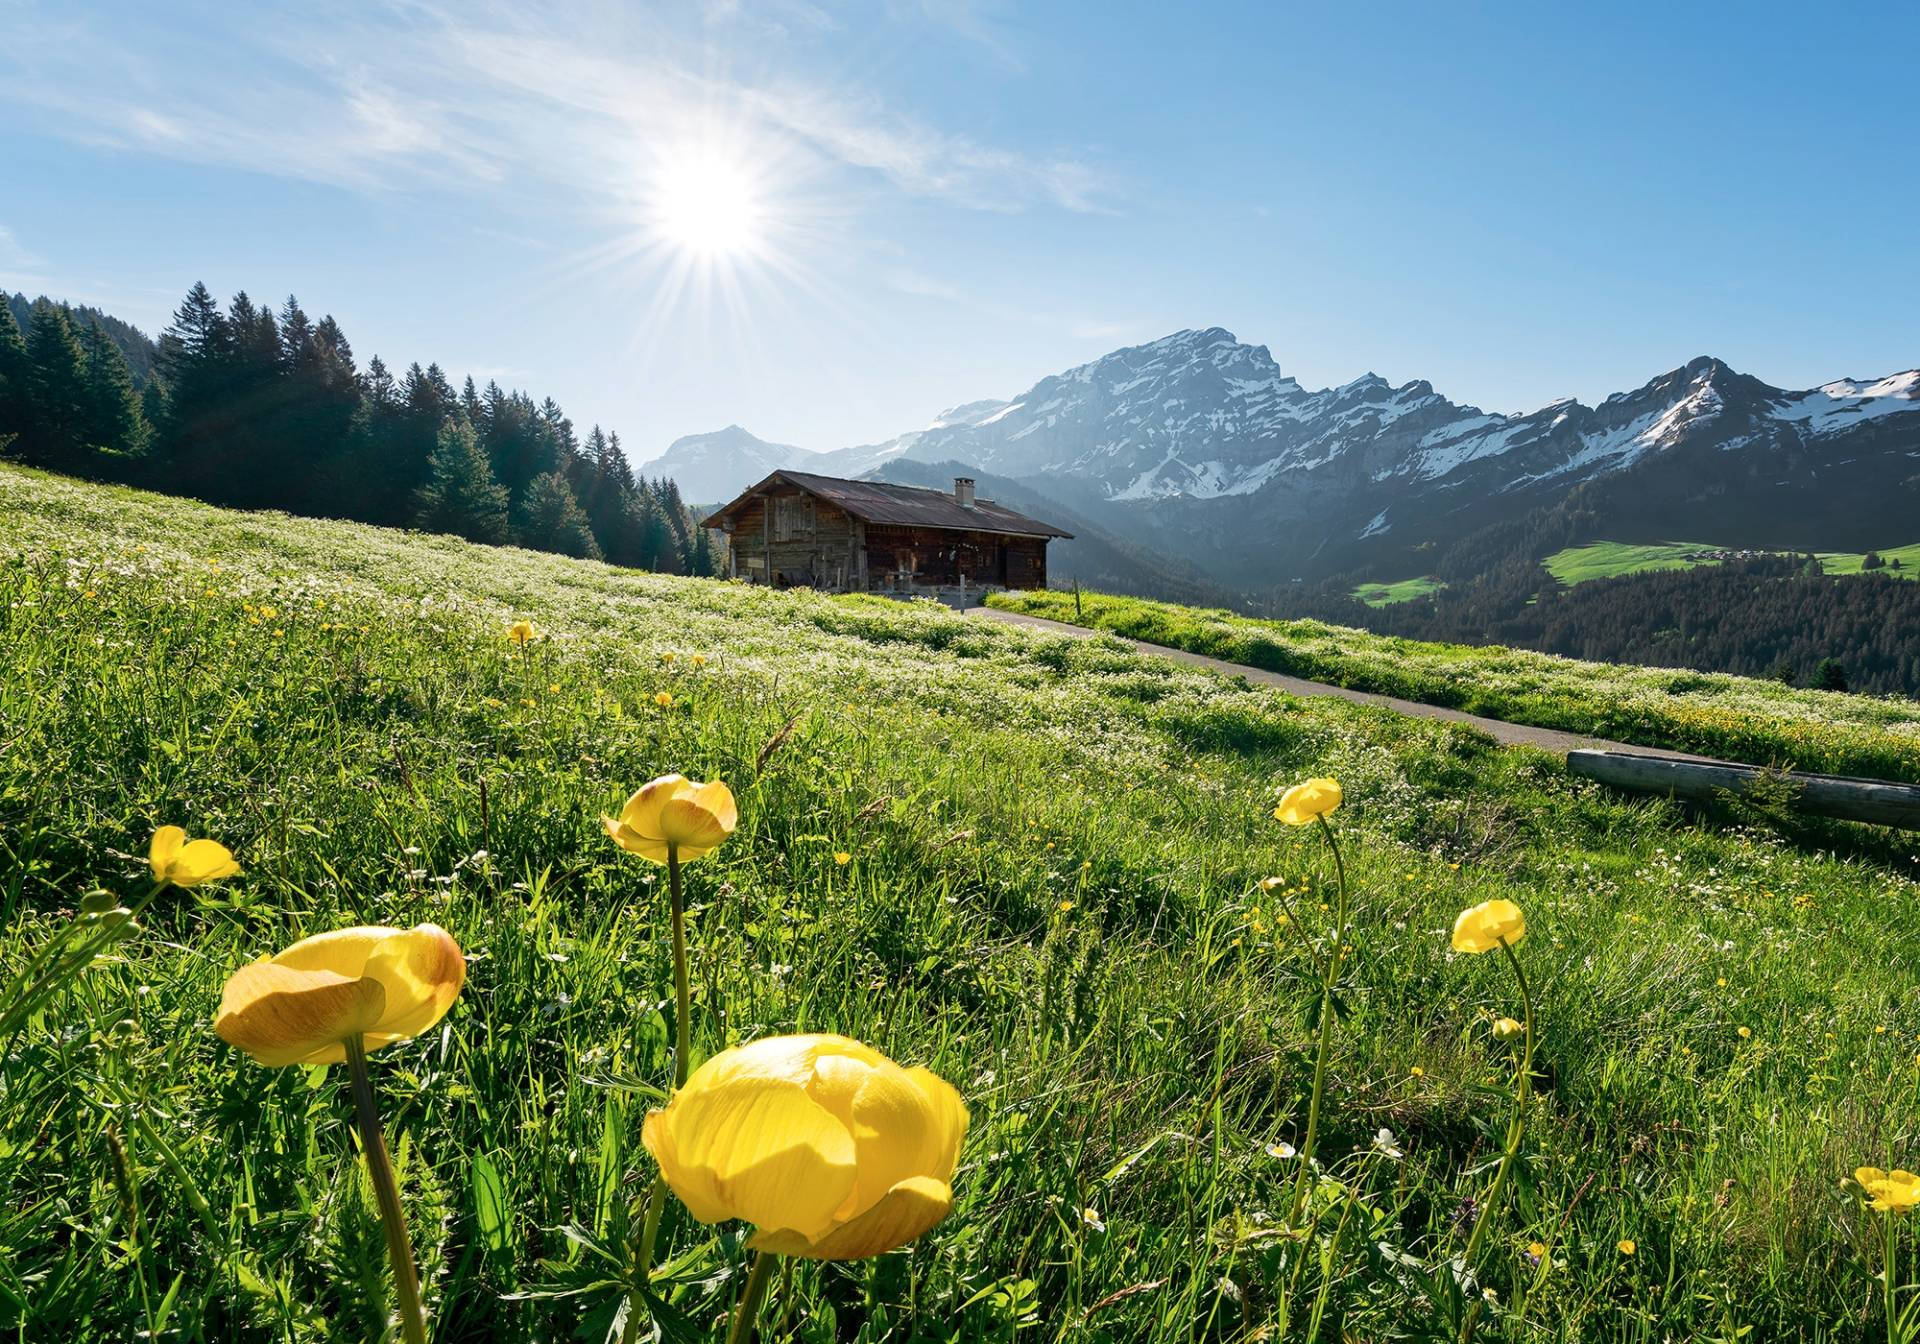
418	96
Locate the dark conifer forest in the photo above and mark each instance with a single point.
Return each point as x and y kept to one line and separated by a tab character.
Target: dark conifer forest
252	408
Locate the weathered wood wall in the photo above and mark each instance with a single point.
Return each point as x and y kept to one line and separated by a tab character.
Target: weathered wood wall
822	546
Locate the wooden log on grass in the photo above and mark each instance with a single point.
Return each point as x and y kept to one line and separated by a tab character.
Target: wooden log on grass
1876	801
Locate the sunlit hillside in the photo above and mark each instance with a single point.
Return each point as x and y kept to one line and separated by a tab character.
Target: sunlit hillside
1047	869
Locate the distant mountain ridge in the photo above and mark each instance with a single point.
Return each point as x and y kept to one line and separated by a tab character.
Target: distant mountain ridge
1199	445
712	468
135	344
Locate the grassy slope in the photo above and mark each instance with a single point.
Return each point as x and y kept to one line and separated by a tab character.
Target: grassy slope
1050	902
1612	559
1739	718
1386	594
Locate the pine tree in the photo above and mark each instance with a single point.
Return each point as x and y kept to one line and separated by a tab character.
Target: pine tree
14	393
112	418
552	519
702	553
56	386
195	358
460	495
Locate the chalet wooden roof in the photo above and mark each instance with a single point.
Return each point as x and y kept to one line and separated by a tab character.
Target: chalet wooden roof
899	506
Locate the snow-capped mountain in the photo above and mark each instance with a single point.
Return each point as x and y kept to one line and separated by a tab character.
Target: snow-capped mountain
1198	414
1200	445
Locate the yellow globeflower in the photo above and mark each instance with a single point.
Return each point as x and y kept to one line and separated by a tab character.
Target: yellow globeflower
674	811
1628	1246
1303	803
664	700
1893	1191
522	632
830	1149
188	863
1487	925
381	984
1506	1027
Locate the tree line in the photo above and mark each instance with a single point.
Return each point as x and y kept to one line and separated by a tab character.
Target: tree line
250	408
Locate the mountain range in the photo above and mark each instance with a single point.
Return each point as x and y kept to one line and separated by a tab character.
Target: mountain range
1198	446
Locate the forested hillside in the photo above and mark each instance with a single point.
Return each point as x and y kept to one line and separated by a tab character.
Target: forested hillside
255	409
1782	615
134	344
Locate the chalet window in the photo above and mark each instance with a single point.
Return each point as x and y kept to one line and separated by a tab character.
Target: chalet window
792	517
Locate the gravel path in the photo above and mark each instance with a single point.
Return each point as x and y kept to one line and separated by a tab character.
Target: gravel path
1510	734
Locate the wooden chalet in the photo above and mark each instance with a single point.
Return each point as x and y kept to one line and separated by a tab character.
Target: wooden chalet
795	529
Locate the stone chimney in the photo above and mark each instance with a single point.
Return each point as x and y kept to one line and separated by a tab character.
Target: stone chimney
963	491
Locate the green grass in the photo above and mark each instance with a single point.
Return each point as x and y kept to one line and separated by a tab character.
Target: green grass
1738	718
1849	562
1052	902
1386	594
1612	559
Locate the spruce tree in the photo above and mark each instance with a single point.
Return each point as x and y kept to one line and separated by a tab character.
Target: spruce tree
460	495
112	418
552	519
56	387
13	375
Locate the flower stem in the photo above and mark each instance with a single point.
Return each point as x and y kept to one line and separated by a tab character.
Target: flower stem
682	1050
744	1315
406	1279
1887	1266
1516	1128
1334	959
682	1047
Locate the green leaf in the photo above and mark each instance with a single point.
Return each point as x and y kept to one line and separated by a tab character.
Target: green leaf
490	1204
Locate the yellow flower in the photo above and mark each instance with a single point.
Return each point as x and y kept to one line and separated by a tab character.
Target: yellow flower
666	657
1485	926
663	700
699	660
1303	803
188	863
522	632
841	857
1537	1249
1893	1191
1628	1246
1745	1032
673	811
1418	1072
1506	1027
830	1149
381	984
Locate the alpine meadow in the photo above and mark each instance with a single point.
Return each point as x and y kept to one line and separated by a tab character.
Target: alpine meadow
958	672
1047	870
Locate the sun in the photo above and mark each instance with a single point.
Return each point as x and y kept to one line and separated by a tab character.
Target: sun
707	206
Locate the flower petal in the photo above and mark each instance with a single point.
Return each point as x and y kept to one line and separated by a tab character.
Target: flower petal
422	971
284	1015
202	861
167	842
755	1148
642	811
690	826
342	951
905	1212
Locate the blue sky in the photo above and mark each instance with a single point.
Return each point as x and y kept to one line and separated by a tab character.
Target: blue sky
944	200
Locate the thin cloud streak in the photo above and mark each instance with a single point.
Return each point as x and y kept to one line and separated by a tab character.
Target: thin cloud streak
431	98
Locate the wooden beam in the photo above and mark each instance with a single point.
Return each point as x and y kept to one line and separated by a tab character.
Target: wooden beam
1870	800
